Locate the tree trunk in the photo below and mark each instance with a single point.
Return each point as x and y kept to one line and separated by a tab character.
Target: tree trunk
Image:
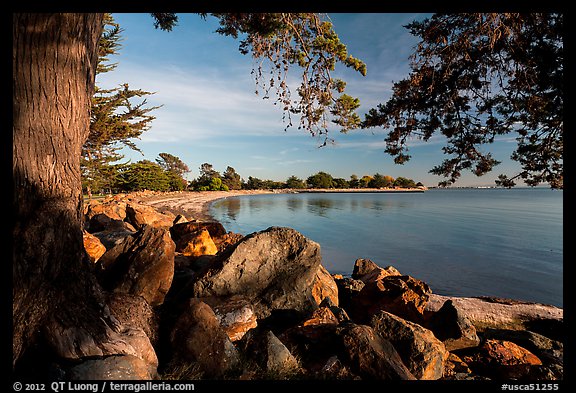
54	62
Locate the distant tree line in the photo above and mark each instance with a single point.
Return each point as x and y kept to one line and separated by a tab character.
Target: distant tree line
168	174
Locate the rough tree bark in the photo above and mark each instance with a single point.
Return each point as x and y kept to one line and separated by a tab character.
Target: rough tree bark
54	62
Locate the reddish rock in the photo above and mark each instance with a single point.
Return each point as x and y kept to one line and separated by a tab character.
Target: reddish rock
371	356
236	315
198	337
196	243
423	354
324	286
403	296
365	270
142	264
114	209
215	229
227	240
93	246
140	215
503	359
321	316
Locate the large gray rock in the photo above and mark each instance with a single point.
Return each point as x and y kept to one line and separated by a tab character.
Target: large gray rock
273	269
142	264
423	354
494	313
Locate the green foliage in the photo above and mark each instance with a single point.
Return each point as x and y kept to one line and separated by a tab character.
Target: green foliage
144	175
320	180
474	78
254	183
403	182
380	181
231	179
295	182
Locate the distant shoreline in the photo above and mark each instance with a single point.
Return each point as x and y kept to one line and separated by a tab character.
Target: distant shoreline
357	190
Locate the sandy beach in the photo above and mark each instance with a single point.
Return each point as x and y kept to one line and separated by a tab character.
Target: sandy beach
192	204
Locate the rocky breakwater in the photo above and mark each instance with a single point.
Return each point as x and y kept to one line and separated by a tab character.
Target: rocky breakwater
192	301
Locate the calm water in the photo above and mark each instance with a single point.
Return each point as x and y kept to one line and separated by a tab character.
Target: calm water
462	242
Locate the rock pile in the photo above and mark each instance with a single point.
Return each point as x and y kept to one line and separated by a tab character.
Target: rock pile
188	295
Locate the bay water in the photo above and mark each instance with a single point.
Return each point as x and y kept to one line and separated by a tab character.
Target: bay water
505	243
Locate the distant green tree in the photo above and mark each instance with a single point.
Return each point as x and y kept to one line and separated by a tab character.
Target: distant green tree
403	182
380	181
320	180
172	164
144	175
254	183
340	183
272	185
175	170
354	182
231	179
365	181
295	182
207	173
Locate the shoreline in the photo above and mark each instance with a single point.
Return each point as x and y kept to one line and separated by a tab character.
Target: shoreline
193	204
196	204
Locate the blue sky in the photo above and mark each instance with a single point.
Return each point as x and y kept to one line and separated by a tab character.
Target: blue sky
210	112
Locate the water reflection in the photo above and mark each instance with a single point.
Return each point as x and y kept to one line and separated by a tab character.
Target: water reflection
321	206
294	204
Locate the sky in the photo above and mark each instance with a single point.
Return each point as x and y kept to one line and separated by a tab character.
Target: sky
210	112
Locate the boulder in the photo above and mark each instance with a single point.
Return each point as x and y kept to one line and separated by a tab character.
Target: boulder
125	367
371	356
198	337
78	342
235	315
134	312
423	354
114	209
365	270
273	269
500	359
227	240
348	288
456	368
334	369
403	296
179	219
320	316
453	328
215	229
270	354
111	237
485	313
139	215
93	246
196	243
324	286
142	264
